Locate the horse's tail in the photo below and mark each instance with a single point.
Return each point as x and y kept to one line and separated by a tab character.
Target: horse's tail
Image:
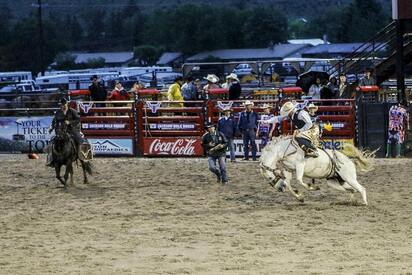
363	159
88	167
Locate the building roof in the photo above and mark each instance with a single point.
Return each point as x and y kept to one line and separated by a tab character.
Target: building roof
338	48
277	52
168	57
312	41
109	57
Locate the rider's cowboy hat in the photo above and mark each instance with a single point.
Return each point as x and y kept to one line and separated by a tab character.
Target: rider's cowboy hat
266	106
212	78
248	102
226	109
208	125
313	107
232	76
287	108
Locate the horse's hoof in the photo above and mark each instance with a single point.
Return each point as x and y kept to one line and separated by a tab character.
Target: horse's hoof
314	188
301	198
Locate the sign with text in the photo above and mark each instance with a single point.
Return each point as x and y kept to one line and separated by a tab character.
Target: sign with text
106	126
19	134
112	146
173	146
239	148
336	144
171	126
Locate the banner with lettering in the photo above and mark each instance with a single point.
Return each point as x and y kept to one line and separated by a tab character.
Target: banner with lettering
22	134
173	146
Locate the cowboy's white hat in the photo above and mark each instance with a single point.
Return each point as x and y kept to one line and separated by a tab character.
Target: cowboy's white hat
266	106
248	102
212	78
226	109
312	106
232	76
287	108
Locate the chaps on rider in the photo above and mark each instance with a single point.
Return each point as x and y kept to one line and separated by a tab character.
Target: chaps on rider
306	132
71	119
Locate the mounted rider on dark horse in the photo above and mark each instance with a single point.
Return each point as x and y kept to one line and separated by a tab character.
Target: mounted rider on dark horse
68	145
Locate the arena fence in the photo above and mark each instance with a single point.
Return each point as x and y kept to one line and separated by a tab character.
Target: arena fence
168	128
109	126
164	128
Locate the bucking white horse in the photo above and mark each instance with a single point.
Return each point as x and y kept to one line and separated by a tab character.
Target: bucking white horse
282	157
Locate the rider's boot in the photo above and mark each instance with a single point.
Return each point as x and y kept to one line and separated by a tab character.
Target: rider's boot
84	151
49	161
310	152
49	158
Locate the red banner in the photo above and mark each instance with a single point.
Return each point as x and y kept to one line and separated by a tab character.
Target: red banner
173	146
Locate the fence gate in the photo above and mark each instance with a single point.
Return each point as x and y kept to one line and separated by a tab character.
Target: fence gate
373	126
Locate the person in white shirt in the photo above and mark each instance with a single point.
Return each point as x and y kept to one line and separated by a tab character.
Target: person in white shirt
314	90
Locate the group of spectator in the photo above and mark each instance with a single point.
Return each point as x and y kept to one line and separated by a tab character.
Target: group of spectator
192	89
338	88
99	93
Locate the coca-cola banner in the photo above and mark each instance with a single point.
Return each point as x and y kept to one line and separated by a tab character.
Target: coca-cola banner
173	146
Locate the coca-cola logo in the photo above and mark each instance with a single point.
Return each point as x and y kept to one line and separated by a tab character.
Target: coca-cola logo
178	147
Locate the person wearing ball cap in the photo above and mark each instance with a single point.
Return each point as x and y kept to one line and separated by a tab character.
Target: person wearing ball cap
215	144
304	128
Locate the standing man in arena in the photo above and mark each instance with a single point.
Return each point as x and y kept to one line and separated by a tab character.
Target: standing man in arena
248	123
228	126
215	144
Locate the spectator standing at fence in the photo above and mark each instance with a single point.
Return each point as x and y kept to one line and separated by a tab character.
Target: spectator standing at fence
227	126
398	124
344	91
235	89
265	127
368	79
248	122
174	93
199	89
331	89
189	90
212	83
135	88
215	144
226	85
314	90
119	93
97	91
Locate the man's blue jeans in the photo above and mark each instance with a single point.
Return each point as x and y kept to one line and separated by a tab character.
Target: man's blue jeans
222	165
231	145
249	136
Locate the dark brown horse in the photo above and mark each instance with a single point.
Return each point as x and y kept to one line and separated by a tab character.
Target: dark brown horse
64	152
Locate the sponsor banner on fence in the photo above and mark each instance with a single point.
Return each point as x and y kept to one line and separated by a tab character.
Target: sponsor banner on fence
105	126
173	146
337	144
112	146
171	126
18	134
239	148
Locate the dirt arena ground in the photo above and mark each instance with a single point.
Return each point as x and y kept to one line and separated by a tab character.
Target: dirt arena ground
169	216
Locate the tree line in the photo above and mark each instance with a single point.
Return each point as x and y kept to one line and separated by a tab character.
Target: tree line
187	28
